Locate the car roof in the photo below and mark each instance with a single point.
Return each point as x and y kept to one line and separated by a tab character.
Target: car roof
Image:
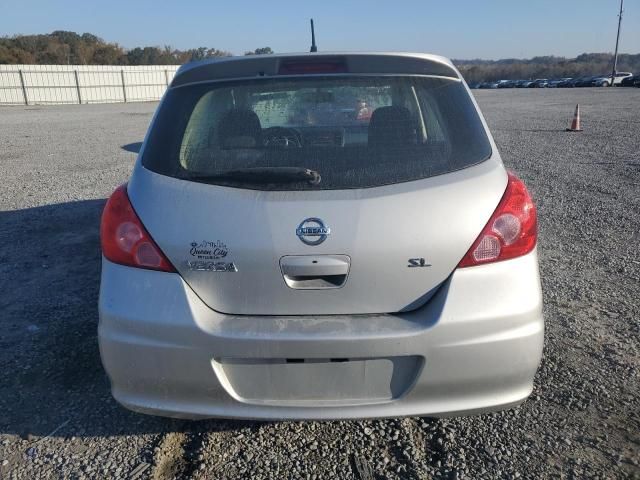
252	66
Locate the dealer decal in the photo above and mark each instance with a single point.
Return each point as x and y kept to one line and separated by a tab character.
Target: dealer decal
207	257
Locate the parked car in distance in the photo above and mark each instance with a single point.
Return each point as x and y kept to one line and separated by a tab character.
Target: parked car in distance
622	79
496	83
539	83
272	258
523	83
557	82
619	78
632	81
566	83
605	80
601	81
585	81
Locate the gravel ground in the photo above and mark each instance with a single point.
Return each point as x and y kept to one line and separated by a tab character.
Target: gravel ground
58	420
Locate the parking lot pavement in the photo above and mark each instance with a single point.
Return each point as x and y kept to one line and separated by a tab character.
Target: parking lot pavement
58	420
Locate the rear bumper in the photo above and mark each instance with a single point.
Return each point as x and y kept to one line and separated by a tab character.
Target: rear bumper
474	347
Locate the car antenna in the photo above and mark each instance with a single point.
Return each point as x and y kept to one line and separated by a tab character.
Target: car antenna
314	48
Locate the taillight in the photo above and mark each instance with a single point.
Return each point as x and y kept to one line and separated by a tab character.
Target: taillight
125	240
512	230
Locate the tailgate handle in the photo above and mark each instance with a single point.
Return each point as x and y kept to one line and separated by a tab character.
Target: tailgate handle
312	272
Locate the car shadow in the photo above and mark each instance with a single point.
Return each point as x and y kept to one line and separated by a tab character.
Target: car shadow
51	378
132	147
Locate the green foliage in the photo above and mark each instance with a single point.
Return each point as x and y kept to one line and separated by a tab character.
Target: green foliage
62	47
587	64
260	51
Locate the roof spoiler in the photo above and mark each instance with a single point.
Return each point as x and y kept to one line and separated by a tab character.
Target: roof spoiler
261	66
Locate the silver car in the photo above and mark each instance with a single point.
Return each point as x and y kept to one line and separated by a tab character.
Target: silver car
320	236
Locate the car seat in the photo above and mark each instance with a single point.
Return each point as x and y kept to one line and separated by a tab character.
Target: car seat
239	128
391	126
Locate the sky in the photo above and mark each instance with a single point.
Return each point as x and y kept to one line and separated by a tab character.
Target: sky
462	29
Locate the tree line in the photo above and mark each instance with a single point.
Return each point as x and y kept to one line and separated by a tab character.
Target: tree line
587	64
63	47
70	48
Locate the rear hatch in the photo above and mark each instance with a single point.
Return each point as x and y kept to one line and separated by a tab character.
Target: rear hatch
403	182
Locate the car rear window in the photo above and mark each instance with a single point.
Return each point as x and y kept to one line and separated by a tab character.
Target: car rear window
356	132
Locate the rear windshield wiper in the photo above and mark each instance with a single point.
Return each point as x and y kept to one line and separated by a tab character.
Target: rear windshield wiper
260	175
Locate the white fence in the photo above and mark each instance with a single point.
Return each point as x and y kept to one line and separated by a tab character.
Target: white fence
56	84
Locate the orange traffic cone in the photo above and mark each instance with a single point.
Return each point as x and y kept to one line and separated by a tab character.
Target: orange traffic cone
575	124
